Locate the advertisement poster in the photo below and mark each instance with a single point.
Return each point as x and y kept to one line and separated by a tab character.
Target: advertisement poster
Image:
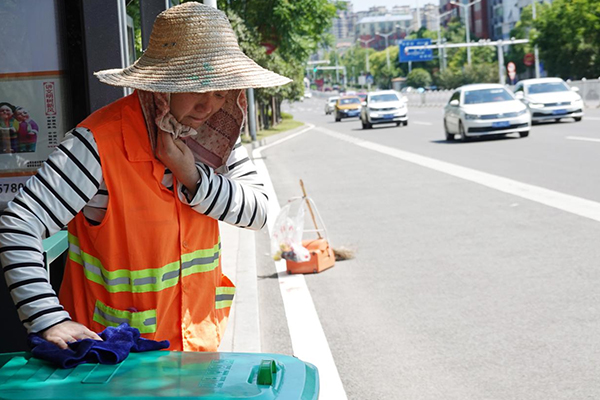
32	92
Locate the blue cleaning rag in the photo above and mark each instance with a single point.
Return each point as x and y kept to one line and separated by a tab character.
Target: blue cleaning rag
117	343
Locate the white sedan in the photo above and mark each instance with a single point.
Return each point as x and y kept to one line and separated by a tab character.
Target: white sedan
485	109
383	107
550	99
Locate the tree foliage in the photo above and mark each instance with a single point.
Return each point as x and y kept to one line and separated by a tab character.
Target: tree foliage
568	38
418	77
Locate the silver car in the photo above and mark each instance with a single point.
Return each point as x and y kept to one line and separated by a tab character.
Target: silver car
550	99
330	104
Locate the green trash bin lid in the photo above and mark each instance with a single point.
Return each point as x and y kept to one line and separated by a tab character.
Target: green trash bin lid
162	375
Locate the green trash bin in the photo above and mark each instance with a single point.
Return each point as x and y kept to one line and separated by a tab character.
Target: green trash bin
162	375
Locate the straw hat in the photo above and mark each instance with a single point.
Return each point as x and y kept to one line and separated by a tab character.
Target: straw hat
192	49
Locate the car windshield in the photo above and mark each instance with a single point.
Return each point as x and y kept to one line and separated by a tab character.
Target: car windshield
486	96
333	100
352	100
547	87
380	98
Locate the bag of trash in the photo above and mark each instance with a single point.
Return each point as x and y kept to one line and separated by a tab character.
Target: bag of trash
286	240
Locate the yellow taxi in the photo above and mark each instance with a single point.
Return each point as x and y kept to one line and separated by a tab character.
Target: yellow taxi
347	107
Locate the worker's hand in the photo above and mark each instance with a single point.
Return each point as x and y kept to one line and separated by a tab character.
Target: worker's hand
178	157
67	332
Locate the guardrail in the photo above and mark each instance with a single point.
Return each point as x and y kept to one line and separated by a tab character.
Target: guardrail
589	90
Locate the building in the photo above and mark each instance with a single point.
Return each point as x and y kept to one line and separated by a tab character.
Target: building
428	17
479	20
369	27
343	25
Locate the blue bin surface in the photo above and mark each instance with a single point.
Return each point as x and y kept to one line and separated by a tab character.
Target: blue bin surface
162	375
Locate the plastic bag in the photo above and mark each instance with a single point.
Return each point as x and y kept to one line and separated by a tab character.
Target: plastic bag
286	240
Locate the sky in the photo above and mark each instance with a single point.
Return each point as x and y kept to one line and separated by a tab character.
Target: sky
364	5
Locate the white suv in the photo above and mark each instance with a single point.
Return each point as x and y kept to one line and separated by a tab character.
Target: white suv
383	107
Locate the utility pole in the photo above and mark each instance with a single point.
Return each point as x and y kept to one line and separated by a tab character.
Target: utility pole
465	7
366	42
441	50
535	48
387	50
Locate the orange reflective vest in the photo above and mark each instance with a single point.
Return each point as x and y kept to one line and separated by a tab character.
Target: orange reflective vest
153	262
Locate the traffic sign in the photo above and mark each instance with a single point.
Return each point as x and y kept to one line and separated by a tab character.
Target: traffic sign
406	55
529	59
512	70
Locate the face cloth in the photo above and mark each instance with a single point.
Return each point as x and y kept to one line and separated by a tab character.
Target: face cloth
212	143
118	343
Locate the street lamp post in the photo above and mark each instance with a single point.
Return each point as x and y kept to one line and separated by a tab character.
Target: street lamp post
366	42
407	30
387	50
441	50
535	48
466	9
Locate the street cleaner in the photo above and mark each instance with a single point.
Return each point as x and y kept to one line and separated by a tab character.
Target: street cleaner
142	184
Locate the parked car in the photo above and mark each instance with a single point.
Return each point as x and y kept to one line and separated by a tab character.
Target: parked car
485	109
550	99
347	107
330	104
383	107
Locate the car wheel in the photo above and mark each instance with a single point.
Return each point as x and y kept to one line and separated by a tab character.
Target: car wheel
369	125
337	118
577	119
461	131
524	134
405	123
557	120
398	123
364	126
449	136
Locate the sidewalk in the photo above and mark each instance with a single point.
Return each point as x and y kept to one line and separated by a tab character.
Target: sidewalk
238	259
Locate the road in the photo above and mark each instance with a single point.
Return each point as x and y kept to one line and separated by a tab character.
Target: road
476	272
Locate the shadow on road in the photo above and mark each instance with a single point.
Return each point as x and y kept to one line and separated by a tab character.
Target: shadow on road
482	139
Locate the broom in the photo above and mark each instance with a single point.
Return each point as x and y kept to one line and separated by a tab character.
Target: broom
341	253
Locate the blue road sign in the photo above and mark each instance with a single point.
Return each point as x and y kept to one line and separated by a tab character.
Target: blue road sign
415	55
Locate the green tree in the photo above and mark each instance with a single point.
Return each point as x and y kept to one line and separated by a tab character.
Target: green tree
418	77
568	38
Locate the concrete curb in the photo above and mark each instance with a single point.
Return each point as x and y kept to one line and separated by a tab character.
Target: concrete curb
238	260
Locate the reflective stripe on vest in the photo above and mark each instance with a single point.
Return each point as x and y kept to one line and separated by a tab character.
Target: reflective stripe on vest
145	280
144	321
224	297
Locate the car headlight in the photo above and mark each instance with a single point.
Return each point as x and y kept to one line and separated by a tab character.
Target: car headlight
521	112
536	105
471	116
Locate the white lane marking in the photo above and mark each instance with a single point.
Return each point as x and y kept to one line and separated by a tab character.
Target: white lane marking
308	338
576	205
583	138
421	123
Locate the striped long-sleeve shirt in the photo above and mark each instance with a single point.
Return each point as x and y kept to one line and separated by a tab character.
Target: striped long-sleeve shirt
71	181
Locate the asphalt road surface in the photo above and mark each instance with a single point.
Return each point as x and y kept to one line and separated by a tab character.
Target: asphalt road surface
477	264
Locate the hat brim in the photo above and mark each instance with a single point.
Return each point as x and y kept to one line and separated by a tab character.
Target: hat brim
190	74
